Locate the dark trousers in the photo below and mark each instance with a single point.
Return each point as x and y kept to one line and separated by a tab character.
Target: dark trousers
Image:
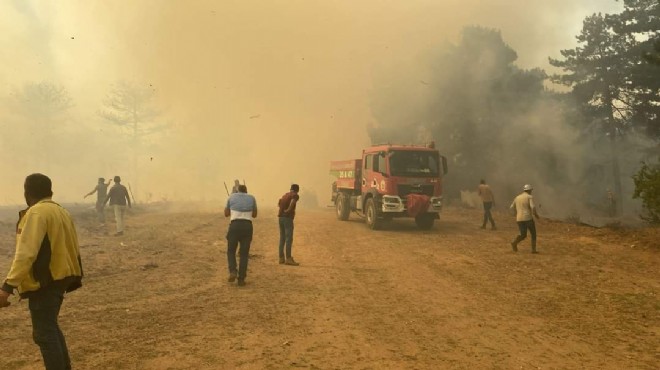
44	308
524	226
286	236
487	215
240	232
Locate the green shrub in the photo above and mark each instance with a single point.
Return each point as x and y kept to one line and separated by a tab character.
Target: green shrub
647	188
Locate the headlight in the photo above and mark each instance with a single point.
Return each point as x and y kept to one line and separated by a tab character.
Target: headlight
390	199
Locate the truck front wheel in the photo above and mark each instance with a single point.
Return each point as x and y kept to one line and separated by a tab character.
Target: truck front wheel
371	213
425	221
343	209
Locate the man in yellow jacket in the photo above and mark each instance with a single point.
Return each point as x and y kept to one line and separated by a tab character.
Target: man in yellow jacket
46	265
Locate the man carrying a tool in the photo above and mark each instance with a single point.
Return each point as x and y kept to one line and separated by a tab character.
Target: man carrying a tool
241	208
101	190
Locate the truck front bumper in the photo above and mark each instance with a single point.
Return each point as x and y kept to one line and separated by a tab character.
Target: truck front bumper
394	204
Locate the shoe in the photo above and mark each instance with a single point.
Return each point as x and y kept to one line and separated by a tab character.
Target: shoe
232	277
120	233
535	252
241	283
483	227
493	228
289	261
514	247
282	260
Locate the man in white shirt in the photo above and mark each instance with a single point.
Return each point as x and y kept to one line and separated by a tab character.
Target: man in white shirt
241	208
524	207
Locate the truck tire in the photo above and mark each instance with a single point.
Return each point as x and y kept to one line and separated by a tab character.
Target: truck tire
372	216
342	207
425	221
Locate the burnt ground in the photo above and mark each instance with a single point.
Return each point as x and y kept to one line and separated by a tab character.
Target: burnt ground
452	297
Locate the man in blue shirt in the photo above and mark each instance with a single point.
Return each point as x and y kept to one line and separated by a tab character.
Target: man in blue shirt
241	208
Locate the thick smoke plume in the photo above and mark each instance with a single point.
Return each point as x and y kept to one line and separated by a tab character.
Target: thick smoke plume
266	92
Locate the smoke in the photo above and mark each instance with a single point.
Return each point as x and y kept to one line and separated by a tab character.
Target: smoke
495	120
266	92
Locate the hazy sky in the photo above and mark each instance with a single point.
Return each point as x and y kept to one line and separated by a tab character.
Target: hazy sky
302	70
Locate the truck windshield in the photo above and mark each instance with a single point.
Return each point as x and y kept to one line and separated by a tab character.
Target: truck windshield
412	163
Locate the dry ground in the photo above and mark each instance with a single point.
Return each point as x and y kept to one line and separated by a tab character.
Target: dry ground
452	297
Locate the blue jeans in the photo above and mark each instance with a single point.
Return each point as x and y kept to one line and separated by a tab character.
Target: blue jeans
44	308
240	232
286	236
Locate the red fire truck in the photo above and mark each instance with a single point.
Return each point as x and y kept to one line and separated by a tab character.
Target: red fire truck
390	181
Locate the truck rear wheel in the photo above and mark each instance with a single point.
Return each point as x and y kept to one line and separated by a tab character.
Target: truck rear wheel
425	221
371	214
342	207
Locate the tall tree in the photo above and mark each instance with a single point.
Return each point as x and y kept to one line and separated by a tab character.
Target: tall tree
41	109
133	109
42	101
639	23
597	73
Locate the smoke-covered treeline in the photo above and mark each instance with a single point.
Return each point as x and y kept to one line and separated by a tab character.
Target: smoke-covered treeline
615	89
496	120
43	131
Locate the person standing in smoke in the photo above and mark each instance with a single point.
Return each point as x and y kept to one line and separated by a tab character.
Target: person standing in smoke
101	190
524	207
488	200
118	197
241	208
286	214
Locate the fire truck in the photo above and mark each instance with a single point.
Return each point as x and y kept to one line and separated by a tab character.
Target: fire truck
390	181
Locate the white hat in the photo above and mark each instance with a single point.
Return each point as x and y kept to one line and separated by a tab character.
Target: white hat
527	187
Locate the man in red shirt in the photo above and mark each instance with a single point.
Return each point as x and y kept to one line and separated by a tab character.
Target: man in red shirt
286	214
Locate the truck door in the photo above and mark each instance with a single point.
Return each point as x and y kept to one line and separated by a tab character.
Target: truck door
372	173
367	173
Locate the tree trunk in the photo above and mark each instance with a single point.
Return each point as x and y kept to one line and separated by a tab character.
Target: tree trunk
136	175
614	152
616	174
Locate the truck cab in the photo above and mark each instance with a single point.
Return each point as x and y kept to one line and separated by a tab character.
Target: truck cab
391	181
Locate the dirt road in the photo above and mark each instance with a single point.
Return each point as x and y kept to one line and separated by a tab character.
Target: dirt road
452	297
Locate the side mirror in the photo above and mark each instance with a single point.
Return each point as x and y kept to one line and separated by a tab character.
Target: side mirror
445	169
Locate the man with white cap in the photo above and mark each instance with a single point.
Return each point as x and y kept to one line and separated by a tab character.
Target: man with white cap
524	207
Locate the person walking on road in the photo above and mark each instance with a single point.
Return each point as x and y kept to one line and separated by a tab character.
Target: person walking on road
524	207
46	265
119	198
488	200
101	190
241	208
286	214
